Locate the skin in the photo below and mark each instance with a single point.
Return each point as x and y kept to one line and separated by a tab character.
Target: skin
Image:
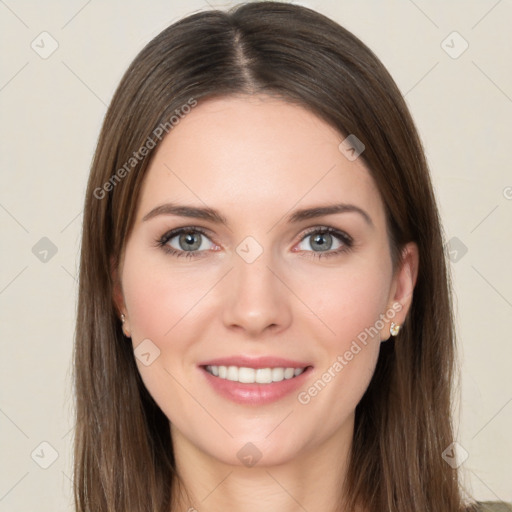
257	160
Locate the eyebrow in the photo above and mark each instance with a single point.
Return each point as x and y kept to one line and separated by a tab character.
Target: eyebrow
320	211
186	211
214	216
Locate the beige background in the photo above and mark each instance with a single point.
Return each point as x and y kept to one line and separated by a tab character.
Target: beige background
51	110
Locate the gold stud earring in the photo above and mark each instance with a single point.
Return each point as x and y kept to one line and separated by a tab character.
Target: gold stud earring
394	329
125	332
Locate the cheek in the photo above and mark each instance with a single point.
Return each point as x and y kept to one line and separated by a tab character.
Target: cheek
332	394
158	298
167	306
349	300
161	304
351	303
151	304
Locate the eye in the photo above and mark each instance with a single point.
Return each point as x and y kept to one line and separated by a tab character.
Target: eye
325	240
185	242
191	241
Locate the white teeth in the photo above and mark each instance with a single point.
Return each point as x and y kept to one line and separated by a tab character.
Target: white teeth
288	373
263	375
278	374
232	373
252	375
246	375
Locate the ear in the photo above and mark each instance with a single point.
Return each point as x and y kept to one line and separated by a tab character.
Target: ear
402	288
117	292
118	297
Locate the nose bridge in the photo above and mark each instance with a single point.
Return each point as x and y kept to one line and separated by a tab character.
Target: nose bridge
252	261
257	299
253	279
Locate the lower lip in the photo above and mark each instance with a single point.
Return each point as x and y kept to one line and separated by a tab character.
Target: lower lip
255	394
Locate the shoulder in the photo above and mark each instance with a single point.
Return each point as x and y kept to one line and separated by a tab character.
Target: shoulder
493	506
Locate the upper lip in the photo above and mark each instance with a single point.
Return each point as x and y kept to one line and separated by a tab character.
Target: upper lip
255	362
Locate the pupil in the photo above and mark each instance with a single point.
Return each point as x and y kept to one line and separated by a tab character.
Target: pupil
322	242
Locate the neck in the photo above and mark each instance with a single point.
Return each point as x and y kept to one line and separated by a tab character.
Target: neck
312	480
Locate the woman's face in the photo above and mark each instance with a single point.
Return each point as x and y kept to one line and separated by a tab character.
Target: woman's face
258	246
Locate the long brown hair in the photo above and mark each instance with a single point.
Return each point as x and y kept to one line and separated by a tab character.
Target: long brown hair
123	452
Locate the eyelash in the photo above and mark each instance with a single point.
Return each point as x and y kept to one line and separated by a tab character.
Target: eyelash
344	238
162	241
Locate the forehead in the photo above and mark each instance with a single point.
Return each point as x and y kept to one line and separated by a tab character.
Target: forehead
255	154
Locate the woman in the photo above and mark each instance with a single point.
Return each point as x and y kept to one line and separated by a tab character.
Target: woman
264	314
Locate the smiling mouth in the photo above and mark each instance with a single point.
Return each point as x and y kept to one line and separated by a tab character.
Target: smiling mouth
246	375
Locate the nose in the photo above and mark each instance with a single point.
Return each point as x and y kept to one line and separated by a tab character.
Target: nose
257	300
